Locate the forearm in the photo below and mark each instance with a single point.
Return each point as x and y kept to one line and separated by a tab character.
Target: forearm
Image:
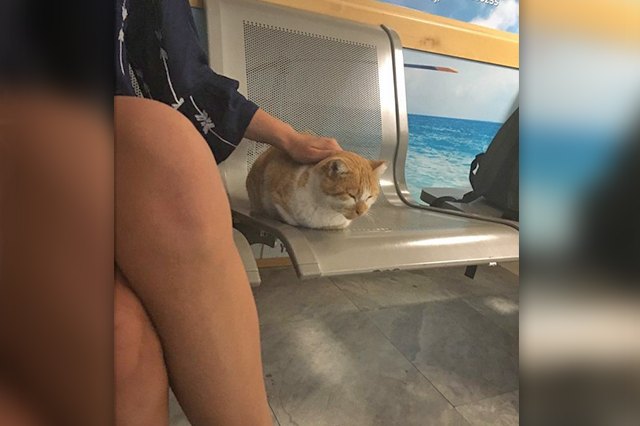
301	147
268	129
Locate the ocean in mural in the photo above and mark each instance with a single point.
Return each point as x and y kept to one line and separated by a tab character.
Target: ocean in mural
441	150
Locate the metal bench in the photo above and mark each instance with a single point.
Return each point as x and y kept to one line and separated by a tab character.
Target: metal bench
345	80
246	254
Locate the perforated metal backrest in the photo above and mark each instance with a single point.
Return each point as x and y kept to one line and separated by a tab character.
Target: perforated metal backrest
325	85
322	75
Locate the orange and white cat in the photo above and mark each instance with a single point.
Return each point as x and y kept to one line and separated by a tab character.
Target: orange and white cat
327	195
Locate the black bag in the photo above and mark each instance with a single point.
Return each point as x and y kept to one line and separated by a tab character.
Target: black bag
494	174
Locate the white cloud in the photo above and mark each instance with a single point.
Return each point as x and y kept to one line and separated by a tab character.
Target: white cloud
503	17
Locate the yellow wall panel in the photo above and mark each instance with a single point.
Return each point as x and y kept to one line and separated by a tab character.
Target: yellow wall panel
419	30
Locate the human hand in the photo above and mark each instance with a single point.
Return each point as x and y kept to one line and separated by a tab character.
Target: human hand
303	147
310	148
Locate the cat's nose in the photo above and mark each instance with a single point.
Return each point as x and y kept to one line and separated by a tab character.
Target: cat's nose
361	207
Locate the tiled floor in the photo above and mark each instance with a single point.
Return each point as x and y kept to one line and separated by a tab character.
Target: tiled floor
397	348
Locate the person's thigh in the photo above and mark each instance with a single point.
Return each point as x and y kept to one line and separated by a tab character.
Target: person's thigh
56	248
174	243
168	188
15	410
141	385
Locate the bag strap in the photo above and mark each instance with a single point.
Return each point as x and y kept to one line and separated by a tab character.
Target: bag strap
466	198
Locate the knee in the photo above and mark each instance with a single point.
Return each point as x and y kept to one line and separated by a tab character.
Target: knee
137	347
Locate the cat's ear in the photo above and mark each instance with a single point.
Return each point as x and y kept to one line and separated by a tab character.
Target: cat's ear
335	167
378	166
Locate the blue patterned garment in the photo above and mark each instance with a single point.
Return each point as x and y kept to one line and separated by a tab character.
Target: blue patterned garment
158	57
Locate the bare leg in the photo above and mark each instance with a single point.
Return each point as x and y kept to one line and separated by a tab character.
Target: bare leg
174	243
141	385
56	257
15	411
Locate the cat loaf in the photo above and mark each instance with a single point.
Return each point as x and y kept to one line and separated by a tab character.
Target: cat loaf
326	195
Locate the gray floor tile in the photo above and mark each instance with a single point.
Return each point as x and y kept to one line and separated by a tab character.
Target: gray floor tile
488	280
397	288
501	410
465	355
503	310
484	328
340	370
282	297
382	289
176	415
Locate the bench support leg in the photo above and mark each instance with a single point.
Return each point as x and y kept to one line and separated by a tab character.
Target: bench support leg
470	271
254	235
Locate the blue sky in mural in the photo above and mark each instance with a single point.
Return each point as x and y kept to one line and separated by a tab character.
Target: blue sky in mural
478	91
503	16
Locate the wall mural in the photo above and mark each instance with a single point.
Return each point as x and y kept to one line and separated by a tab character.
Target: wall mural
455	107
497	14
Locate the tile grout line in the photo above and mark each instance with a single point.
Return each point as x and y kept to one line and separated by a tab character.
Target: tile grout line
463	416
420	371
412	364
275	416
489	397
345	295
